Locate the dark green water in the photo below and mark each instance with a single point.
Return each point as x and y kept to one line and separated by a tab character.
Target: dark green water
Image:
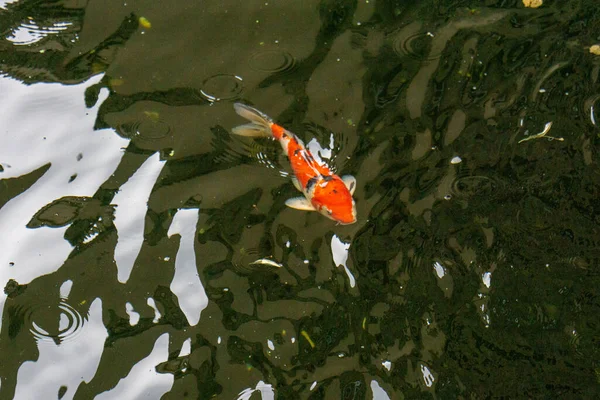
131	218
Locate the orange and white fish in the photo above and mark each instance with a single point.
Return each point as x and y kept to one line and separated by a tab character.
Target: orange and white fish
323	191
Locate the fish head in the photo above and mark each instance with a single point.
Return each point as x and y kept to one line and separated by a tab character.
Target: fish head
333	199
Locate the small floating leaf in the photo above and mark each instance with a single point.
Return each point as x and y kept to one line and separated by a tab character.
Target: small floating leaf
308	339
543	134
144	23
532	3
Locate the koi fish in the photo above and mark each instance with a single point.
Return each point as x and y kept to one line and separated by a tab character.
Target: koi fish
323	191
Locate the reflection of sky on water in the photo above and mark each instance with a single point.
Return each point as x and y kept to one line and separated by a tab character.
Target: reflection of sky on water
186	283
265	390
58	131
407	94
378	392
143	381
339	251
67	364
31	33
3	3
131	212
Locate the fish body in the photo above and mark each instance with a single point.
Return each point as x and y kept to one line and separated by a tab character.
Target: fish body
324	191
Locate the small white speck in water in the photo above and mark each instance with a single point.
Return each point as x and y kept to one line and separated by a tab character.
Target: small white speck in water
152	304
487	279
428	377
439	270
134	317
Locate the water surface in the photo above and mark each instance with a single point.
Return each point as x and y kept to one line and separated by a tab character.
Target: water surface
132	220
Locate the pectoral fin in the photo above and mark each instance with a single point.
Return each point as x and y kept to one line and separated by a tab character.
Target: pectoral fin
296	183
350	183
299	203
251	130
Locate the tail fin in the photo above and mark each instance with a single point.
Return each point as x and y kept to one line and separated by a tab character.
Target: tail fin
260	124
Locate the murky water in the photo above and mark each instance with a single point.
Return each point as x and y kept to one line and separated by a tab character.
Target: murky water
148	253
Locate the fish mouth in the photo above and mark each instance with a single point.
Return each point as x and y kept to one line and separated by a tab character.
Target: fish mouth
352	215
346	222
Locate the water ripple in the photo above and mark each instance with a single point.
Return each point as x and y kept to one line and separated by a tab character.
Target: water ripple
272	61
222	87
31	32
416	45
66	322
474	185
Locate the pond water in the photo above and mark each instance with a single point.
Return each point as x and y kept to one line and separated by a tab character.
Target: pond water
148	253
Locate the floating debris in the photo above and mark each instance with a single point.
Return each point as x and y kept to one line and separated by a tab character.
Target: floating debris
308	339
456	160
266	261
542	134
532	3
144	23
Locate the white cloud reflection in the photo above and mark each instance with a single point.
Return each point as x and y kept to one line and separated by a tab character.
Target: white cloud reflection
486	278
265	390
152	304
66	364
186	283
428	377
378	392
439	269
30	32
143	382
130	214
3	3
48	124
339	251
134	317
